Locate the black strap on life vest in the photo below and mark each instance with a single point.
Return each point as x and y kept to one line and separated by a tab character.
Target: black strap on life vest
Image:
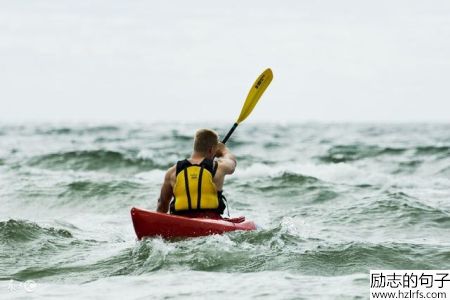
208	164
181	165
199	191
224	202
186	183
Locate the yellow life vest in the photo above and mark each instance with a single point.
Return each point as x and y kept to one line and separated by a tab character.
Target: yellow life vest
195	189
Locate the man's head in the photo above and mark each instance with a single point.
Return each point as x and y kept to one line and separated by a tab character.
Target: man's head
205	142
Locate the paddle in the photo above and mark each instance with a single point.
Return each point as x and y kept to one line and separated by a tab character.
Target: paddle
258	88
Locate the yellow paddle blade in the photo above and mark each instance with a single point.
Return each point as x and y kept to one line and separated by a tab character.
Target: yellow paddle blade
258	88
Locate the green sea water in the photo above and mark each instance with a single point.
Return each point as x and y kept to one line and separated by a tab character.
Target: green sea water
331	202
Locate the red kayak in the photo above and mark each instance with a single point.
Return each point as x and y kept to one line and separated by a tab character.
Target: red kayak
150	223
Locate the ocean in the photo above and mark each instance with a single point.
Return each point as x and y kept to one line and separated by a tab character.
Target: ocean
331	201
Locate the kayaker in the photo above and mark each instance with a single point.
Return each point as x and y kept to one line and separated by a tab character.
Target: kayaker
193	187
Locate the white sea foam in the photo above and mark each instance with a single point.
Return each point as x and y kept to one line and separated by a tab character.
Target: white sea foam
153	176
339	173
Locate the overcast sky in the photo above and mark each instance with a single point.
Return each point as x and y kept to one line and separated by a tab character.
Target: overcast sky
192	60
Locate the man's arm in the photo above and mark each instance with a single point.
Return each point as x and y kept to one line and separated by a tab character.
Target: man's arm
166	192
227	160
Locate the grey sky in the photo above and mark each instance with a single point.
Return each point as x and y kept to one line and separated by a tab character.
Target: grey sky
192	60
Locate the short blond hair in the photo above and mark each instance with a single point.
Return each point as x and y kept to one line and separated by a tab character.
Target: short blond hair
205	139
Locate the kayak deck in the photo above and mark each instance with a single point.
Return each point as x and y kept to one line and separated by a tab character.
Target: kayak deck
149	223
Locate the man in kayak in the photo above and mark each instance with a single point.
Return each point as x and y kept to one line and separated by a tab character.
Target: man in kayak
193	187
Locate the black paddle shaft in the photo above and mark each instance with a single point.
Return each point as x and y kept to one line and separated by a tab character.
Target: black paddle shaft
230	133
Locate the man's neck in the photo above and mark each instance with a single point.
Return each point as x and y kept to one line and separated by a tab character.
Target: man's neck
197	156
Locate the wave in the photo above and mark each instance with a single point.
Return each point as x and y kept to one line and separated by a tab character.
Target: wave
34	252
271	145
284	180
349	153
280	173
444	171
397	208
294	178
270	250
13	231
296	185
273	249
405	204
88	189
92	160
103	139
235	252
353	257
408	167
77	130
445	150
181	137
306	180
